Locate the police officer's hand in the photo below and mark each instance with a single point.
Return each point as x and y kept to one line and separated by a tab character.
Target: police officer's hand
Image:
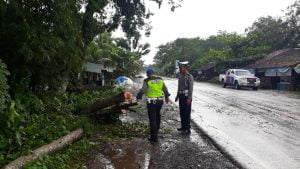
189	101
176	99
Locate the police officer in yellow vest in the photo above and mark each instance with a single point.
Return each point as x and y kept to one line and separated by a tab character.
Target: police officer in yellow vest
156	91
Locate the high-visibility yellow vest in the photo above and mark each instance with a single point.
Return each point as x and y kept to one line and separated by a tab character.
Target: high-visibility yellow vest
155	88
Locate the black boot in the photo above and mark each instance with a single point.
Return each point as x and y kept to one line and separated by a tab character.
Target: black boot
188	131
152	141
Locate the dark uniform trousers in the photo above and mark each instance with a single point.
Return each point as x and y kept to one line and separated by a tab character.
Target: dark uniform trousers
154	108
185	112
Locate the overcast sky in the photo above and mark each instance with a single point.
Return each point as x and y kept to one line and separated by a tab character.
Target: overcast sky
202	18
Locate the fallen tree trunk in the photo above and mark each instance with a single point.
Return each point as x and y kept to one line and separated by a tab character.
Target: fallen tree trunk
46	149
113	101
116	109
103	103
111	114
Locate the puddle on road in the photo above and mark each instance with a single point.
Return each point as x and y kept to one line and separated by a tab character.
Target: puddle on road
132	154
125	157
139	153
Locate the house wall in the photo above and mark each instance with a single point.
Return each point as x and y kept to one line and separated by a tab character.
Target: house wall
209	74
272	81
92	79
296	80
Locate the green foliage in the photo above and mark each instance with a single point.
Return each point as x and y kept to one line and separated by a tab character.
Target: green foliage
267	34
29	103
4	96
70	102
31	122
213	56
100	49
11	131
226	48
131	16
29	132
47	40
43	37
166	69
181	49
237	62
116	52
63	159
293	17
269	31
74	156
44	44
276	33
10	127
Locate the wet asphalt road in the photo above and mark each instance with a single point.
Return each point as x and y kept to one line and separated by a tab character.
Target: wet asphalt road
260	129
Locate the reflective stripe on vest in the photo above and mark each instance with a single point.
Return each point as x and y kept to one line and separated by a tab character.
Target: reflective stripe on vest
155	88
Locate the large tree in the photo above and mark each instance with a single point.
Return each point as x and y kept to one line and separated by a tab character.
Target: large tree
131	15
40	42
185	49
293	21
116	52
43	42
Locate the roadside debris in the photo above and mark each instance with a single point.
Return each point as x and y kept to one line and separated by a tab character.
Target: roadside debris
109	108
127	84
46	149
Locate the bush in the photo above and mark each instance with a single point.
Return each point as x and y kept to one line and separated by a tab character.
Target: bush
31	122
4	97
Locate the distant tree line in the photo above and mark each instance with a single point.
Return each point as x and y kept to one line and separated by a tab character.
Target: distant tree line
267	34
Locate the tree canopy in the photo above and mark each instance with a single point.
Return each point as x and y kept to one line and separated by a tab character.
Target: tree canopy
45	42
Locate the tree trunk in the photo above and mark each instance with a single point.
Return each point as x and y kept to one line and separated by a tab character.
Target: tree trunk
114	109
46	149
103	103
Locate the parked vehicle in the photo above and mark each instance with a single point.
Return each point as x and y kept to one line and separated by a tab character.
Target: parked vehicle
239	78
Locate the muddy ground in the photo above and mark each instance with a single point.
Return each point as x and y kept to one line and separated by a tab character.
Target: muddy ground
173	151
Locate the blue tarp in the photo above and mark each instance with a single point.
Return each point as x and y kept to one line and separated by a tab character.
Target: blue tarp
285	71
121	80
271	72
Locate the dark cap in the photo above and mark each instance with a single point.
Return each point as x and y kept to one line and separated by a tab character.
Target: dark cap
150	70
